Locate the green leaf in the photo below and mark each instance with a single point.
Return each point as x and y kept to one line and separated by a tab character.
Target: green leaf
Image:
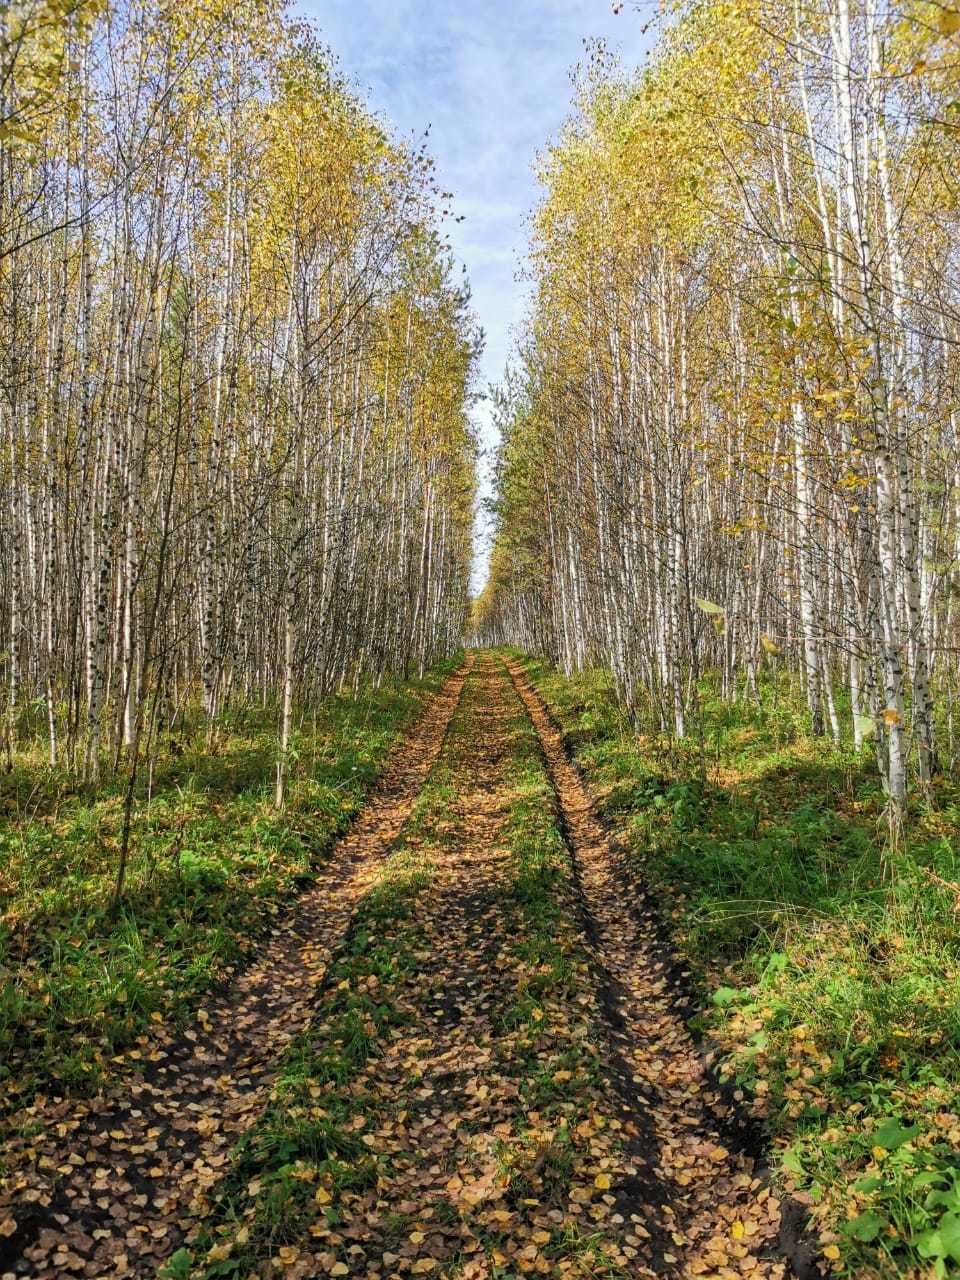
708	606
869	1184
178	1266
948	1200
929	1178
892	1134
866	1227
724	996
944	1242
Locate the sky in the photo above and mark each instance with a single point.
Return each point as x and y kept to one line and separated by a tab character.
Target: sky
491	82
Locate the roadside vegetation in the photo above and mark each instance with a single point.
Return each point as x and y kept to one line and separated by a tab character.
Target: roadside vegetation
213	862
830	976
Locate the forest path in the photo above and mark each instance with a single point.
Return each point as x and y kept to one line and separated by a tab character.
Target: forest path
101	1193
531	1101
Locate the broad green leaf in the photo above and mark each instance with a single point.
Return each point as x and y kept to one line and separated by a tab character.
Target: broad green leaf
944	1242
724	996
866	1227
869	1184
892	1134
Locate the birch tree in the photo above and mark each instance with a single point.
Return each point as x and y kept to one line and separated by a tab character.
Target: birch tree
738	377
236	462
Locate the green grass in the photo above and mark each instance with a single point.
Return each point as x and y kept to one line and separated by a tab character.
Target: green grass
831	981
212	864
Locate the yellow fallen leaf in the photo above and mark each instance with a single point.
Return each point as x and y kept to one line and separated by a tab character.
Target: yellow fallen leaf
220	1252
339	1269
417	1237
288	1254
737	1230
322	1195
831	1252
602	1182
423	1266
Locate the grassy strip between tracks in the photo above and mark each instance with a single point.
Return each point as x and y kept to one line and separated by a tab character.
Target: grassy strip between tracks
561	1160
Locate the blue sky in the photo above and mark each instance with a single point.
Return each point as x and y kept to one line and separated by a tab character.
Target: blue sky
491	80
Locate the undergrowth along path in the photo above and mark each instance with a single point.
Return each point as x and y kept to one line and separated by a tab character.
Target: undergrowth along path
102	1190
